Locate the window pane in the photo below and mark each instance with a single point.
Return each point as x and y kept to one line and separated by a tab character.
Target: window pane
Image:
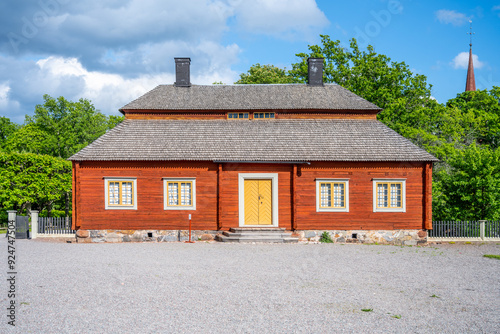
271	115
186	193
396	195
245	115
326	195
338	195
114	193
382	195
126	193
173	193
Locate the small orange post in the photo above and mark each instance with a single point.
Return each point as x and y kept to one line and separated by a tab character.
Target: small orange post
189	240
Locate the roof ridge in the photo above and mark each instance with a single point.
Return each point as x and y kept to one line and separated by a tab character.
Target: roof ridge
250	97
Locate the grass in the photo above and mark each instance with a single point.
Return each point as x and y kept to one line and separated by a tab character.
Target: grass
397	316
468	242
367	309
452	242
435	296
491	256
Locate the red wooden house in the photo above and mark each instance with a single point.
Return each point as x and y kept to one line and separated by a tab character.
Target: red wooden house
303	157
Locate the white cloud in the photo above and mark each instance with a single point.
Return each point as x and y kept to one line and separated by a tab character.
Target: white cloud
462	61
4	95
452	17
9	107
112	51
291	19
108	92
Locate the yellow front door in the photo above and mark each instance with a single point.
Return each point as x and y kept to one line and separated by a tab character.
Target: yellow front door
258	204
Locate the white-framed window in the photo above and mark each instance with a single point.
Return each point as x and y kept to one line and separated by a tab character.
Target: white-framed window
389	195
179	193
237	115
120	193
332	195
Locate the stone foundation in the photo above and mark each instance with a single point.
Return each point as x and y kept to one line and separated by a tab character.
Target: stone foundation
385	237
143	235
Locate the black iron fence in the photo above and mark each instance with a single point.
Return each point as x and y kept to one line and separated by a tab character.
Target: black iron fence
55	225
465	229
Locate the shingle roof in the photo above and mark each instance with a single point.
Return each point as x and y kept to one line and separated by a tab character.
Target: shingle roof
244	140
250	97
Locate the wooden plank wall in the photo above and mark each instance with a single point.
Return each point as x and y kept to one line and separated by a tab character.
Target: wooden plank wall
91	214
360	215
150	213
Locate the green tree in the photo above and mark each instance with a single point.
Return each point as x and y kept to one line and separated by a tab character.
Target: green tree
32	180
265	74
67	126
7	128
468	188
477	116
28	139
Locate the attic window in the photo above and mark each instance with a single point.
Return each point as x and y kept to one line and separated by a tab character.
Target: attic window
263	115
236	115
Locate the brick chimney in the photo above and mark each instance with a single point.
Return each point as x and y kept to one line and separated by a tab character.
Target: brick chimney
182	74
315	71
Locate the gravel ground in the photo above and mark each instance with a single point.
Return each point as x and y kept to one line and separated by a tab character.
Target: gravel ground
255	288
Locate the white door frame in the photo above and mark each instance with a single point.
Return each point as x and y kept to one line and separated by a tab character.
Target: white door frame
241	195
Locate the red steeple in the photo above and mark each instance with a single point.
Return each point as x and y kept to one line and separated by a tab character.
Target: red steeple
470	84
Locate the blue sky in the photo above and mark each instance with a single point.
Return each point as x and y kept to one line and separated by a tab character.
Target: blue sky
113	51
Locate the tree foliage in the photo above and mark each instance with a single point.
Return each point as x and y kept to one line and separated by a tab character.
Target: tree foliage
7	128
33	169
61	128
265	74
469	188
27	179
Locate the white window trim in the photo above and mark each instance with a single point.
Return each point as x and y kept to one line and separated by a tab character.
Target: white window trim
120	207
165	193
274	193
403	196
318	196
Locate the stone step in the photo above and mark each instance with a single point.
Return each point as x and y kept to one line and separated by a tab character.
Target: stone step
257	229
278	234
257	234
224	238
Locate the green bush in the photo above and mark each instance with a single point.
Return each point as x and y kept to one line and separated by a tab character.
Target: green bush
326	238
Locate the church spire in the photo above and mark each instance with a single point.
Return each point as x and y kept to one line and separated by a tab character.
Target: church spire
470	84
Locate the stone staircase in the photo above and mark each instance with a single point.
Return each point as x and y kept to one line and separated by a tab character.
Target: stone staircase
257	234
